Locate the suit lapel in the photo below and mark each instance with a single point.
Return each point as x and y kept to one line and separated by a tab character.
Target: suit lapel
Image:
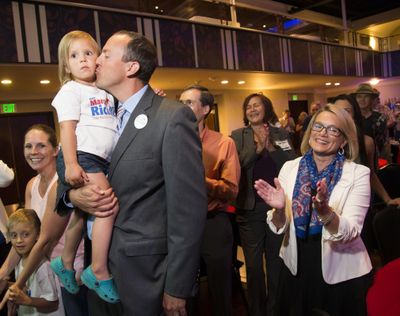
130	131
248	137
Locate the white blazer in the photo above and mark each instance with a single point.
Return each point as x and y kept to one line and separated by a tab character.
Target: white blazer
344	255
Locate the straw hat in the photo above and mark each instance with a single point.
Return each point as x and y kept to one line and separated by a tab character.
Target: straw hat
366	88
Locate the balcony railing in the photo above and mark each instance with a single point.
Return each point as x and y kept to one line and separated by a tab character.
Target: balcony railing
30	33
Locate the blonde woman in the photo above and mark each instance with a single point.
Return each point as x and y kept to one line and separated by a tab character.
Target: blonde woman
319	203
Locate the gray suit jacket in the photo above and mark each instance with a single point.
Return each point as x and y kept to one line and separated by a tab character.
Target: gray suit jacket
244	140
158	177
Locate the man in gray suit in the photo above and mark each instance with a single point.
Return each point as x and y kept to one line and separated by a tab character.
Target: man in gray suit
157	176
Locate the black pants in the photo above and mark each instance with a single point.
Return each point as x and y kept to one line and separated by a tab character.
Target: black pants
216	251
97	306
258	240
308	294
75	304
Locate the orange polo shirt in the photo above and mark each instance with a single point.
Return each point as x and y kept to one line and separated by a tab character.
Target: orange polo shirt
222	169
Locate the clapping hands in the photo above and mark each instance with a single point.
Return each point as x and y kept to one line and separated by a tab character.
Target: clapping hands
273	196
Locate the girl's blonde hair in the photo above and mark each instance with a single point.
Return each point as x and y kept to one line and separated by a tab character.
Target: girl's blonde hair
24	215
63	50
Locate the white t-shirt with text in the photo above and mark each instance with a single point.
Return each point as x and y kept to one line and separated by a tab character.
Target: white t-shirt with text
94	110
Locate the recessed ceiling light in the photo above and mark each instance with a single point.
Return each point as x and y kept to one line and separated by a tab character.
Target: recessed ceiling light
45	81
156	7
328	83
224	81
337	83
6	81
264	26
241	82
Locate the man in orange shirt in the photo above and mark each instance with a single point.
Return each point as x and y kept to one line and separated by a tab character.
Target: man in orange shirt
222	171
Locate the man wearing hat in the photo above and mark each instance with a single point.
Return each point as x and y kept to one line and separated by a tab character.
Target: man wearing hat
374	122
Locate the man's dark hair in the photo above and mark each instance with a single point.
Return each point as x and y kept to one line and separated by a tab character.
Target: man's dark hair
206	98
140	49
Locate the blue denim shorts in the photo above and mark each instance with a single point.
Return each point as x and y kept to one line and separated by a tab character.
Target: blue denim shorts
89	162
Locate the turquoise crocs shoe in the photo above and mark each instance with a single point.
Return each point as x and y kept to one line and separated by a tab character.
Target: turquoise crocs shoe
67	277
104	288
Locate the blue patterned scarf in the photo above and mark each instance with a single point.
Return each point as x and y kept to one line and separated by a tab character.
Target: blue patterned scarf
306	182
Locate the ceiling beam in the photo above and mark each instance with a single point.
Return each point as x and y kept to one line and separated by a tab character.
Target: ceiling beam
296	9
279	8
376	19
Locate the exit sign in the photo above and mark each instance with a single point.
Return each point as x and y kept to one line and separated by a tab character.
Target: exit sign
294	97
8	107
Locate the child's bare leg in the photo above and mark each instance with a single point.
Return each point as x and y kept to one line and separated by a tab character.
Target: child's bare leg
73	237
101	234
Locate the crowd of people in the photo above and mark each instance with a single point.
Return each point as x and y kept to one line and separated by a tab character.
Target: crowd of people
152	187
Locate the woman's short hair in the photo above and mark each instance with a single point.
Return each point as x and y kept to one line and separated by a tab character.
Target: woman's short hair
269	113
63	52
24	215
347	127
47	130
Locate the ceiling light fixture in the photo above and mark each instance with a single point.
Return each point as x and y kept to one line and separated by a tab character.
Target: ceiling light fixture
6	81
328	83
44	81
224	81
241	82
337	83
156	7
372	42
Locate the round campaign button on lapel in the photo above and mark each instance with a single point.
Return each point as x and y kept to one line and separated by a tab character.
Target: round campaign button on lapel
141	121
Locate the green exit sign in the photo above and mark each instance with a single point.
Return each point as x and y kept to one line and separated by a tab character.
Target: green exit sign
8	107
294	97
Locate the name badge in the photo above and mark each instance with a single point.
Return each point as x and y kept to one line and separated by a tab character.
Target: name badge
141	121
283	144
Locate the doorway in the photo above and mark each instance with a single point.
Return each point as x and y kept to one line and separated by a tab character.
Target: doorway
296	107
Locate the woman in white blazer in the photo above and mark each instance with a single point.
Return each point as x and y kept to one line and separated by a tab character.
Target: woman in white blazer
320	201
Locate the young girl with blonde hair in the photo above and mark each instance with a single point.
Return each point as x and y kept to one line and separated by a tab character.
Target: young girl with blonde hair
88	127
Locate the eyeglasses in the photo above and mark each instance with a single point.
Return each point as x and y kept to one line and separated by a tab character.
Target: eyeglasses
330	129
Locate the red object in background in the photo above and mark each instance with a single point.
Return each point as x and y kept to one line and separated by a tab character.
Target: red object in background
382	162
383	298
231	209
